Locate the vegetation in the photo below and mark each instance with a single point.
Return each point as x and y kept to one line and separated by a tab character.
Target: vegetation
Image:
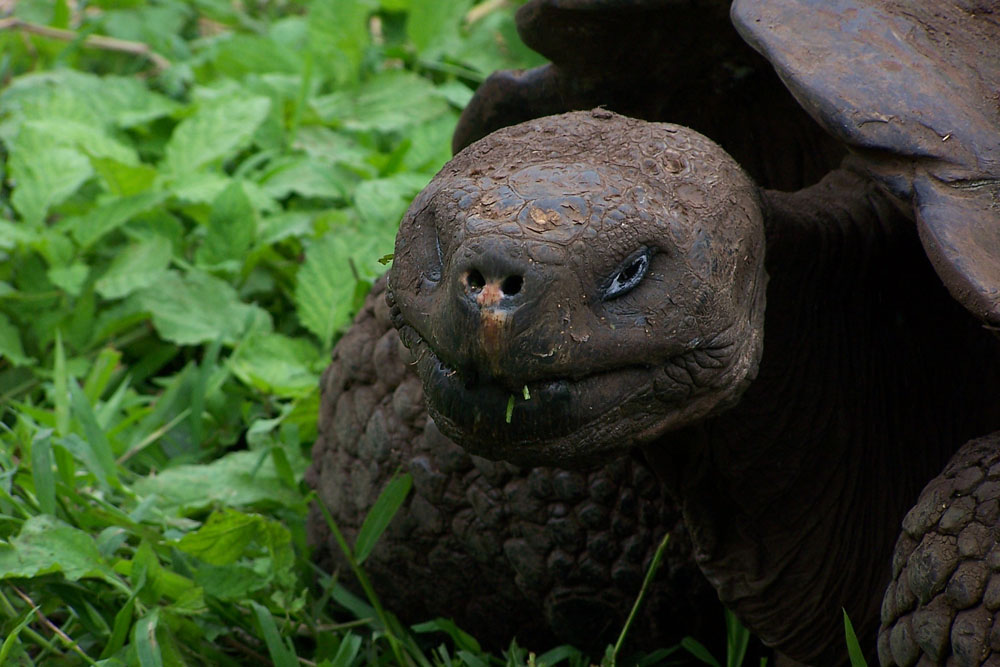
195	197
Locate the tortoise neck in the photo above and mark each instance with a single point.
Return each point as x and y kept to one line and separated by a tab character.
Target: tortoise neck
794	496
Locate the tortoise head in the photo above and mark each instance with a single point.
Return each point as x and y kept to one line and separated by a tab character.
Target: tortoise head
578	284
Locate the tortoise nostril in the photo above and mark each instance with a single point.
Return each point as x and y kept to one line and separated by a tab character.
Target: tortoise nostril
511	285
475	279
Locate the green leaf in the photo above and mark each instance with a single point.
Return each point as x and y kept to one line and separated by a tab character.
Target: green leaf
391	100
232	226
199	308
45	172
60	387
307	177
70	279
46	545
230	582
239	479
223	539
325	285
122	101
214	131
382	202
147	646
121	178
698	650
281	654
137	266
854	651
462	639
737	640
41	471
338	35
10	344
112	214
347	651
15	234
84	137
123	621
242	54
8	643
379	516
96	439
276	364
433	26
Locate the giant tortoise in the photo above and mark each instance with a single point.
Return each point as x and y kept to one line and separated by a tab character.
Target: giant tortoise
793	328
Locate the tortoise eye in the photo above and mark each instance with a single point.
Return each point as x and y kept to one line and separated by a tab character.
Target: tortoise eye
630	275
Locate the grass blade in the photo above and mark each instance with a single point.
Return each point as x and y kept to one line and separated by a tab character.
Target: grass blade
95	436
654	565
123	621
41	472
8	643
60	388
380	515
695	648
280	654
100	373
350	644
854	651
737	640
147	648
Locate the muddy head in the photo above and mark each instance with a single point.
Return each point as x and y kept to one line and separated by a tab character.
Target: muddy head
578	284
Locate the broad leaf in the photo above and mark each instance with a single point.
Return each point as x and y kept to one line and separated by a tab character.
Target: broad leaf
137	266
338	35
199	308
392	100
324	290
277	364
122	178
231	228
46	173
239	479
112	214
10	344
223	539
46	545
214	131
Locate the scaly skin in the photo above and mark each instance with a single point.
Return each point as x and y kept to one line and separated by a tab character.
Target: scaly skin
795	447
944	597
542	554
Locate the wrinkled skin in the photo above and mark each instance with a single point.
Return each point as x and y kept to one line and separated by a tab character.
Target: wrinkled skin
774	437
514	301
546	555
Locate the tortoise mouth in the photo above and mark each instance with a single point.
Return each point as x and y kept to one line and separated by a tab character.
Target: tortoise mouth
553	421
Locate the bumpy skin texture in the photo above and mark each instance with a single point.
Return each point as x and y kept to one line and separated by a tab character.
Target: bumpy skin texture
942	605
794	480
543	554
505	291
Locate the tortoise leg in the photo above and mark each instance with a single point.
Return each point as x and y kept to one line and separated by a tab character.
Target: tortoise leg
942	604
543	554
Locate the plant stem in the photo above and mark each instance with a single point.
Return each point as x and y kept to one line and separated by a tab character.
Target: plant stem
654	565
93	41
363	580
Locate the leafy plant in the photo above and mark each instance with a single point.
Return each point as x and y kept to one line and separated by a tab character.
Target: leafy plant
193	199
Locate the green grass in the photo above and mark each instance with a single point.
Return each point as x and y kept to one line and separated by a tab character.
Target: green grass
188	220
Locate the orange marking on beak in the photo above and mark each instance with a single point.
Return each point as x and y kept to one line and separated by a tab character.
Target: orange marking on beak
491	336
489	295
